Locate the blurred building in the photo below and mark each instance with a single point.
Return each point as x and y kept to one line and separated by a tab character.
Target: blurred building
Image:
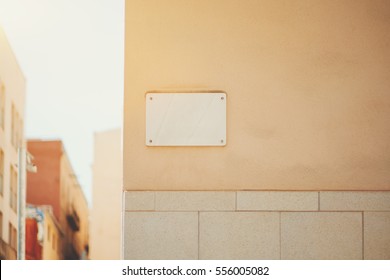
105	229
43	234
12	107
56	185
303	169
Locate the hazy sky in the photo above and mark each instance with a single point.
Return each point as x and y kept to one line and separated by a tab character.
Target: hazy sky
71	53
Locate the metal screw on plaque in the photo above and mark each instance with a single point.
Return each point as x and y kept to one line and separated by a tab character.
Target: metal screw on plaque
222	98
151	98
222	141
150	141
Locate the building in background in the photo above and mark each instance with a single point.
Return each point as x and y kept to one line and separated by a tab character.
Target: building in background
12	108
105	225
43	234
304	171
33	244
56	185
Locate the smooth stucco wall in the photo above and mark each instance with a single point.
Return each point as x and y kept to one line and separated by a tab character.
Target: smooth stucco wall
308	86
105	225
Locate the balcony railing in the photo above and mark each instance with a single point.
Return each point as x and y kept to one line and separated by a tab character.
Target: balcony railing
6	251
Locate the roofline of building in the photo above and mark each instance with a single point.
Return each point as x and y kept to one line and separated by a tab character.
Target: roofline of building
7	42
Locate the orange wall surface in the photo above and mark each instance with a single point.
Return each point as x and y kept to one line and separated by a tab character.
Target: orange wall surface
308	92
33	248
43	187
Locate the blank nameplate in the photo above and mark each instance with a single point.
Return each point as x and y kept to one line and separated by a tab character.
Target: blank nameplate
186	119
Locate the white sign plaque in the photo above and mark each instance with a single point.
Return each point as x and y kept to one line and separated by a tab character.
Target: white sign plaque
186	119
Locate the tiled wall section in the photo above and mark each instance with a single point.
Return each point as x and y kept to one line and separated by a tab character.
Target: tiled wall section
257	225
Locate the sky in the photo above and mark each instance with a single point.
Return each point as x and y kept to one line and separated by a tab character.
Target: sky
71	54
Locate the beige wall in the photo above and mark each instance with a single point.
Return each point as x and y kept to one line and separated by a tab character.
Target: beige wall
308	87
105	228
305	172
14	86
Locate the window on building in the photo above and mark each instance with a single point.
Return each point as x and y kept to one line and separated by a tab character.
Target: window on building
13	123
13	185
1	172
58	243
2	104
16	128
48	232
1	225
12	236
